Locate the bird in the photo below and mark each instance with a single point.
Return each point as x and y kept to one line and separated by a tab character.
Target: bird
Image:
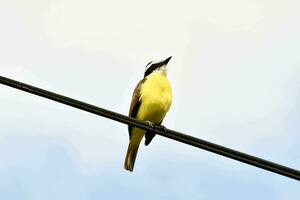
151	100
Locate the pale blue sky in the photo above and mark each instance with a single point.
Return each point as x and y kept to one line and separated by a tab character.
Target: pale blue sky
235	74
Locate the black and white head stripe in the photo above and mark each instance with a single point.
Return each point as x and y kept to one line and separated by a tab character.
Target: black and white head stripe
152	66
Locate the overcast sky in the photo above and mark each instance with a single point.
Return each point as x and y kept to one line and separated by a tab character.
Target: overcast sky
235	74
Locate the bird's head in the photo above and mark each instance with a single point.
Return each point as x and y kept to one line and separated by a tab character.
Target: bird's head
154	66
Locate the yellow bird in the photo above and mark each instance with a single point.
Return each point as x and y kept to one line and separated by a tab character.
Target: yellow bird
150	102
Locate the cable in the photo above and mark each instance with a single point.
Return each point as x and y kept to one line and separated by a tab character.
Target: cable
160	130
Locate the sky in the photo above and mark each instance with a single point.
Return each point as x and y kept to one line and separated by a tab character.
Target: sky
235	74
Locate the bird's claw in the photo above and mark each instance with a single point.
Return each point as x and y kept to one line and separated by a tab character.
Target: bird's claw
151	124
164	128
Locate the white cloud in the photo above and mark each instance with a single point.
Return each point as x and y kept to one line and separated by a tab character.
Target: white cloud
131	29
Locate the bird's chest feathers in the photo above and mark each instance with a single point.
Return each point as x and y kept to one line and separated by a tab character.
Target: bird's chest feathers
156	96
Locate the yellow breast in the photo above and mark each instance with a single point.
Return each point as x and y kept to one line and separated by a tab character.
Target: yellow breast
156	98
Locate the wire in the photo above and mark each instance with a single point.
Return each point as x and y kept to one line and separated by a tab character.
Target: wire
160	130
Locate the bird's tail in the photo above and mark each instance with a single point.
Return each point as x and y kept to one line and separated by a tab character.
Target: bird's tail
131	155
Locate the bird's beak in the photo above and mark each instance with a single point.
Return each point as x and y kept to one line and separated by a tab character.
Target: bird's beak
165	62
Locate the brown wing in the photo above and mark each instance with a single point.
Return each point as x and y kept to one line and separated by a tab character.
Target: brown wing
135	103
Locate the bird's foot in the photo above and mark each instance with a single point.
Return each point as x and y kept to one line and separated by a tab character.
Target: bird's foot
151	124
164	128
161	127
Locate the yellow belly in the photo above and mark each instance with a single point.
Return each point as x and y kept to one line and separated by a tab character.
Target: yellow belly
156	98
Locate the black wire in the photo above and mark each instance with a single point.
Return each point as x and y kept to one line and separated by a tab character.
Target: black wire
162	131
